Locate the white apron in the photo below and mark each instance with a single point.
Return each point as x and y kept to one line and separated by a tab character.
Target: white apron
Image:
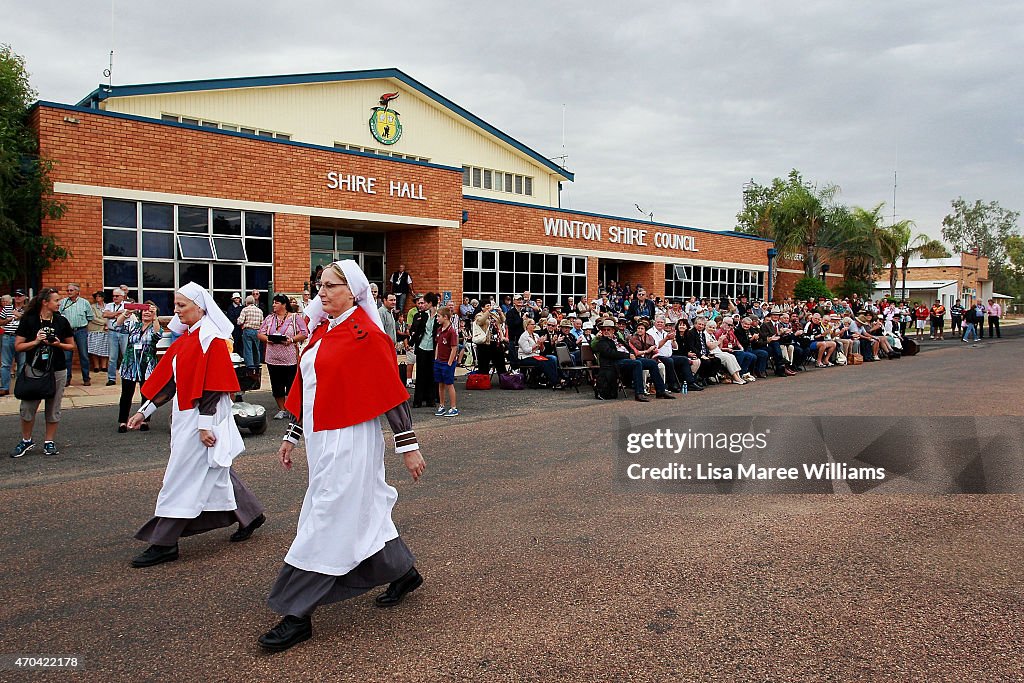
197	478
346	513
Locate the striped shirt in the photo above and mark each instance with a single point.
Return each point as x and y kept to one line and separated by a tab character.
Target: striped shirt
11	326
78	312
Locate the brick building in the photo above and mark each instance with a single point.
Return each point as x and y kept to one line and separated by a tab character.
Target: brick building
250	183
962	278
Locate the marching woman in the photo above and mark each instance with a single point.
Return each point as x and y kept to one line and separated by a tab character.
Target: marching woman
346	543
200	491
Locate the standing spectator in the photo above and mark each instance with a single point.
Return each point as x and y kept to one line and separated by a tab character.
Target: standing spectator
281	331
10	315
401	286
44	335
514	321
233	312
995	311
387	318
466	311
99	345
117	341
127	294
375	295
304	301
971	325
421	336
144	332
980	310
78	313
447	348
642	307
250	320
921	314
956	317
937	318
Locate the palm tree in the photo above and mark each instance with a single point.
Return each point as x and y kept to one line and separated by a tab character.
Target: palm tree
922	245
808	221
869	246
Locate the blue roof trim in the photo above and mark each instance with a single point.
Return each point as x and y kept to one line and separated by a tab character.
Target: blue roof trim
248	136
633	221
103	92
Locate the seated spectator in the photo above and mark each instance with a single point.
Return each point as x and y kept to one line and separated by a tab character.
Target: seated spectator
835	331
611	352
876	330
677	368
772	332
697	341
531	348
749	336
864	341
820	344
728	342
729	361
487	337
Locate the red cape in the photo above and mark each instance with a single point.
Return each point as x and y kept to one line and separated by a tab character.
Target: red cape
356	372
197	371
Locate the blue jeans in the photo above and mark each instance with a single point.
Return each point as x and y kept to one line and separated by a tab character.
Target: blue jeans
549	366
81	336
251	348
970	330
118	342
761	364
745	359
637	367
7	355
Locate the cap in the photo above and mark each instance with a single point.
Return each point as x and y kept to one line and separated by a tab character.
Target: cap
608	322
776	310
517	297
19	292
236	295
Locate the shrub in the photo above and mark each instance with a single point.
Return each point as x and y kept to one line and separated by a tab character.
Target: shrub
811	288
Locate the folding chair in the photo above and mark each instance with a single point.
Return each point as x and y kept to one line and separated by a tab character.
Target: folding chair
573	373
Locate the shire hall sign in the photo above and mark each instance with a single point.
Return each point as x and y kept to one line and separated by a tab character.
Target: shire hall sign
595	232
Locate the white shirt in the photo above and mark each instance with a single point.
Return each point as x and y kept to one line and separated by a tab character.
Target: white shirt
665	350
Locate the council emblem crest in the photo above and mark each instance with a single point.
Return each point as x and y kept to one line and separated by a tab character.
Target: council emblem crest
384	124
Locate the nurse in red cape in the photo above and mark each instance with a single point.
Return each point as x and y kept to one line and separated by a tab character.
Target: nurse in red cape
346	542
200	490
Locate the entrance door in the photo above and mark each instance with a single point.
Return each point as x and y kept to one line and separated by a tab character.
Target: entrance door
365	248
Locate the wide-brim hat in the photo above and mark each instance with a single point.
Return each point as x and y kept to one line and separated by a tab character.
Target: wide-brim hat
608	322
589	325
565	323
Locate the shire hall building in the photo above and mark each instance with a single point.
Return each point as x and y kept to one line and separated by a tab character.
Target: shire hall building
251	183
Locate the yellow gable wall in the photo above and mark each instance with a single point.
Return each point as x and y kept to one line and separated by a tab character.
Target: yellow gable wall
329	113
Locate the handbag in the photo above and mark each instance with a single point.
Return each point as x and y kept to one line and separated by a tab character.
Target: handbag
478	380
856	359
514	381
840	358
33	384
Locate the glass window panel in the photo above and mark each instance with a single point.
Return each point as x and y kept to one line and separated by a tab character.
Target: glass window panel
226	276
465	176
487	260
471	281
581	265
373	266
258	224
223	300
158	275
227	222
229	248
284	136
210	124
581	285
158	216
522	282
193	219
266	134
168	117
191	122
227	126
536	263
551	284
488	283
568	285
730	275
120	243
195	247
487	179
469	258
157	244
322	240
499	181
519	184
118	214
522	262
528	185
476	177
506	282
345	242
506	261
260	251
198	273
368	241
508	182
536	284
250	131
258	277
551	263
567	264
120	273
164	300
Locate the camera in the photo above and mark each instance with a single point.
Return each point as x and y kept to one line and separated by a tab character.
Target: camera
51	334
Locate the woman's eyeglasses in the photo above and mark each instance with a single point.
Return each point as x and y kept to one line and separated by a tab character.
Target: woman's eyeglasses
329	286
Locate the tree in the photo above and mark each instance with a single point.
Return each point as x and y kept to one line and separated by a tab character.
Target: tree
984	227
25	186
922	245
869	248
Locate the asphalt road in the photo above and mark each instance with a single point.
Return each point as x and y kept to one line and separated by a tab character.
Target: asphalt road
539	565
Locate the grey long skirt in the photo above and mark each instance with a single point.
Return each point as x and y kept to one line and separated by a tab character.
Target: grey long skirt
298	592
167	530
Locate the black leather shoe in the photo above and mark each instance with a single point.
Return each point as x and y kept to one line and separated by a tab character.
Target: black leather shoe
641	398
664	395
694	387
288	632
397	591
244	532
156	554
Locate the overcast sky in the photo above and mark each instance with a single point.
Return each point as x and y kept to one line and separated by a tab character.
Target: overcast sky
672	106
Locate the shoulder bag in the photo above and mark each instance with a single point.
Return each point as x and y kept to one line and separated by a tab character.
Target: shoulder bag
36	385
